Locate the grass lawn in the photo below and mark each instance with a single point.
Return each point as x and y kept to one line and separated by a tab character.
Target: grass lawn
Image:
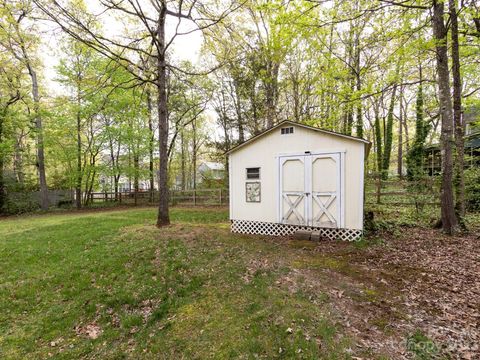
111	285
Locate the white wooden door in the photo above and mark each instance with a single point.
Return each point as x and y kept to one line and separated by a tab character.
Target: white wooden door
293	197
310	190
325	189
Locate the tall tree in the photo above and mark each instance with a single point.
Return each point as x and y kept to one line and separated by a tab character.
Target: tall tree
22	45
400	135
387	150
9	94
150	41
378	137
440	33
416	153
151	144
457	113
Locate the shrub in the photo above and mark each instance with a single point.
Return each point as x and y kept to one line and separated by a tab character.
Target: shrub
472	189
422	347
65	203
20	203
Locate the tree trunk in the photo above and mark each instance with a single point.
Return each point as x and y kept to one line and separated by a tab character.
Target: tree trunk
194	154
182	160
271	92
18	161
2	161
405	127
359	111
348	120
115	167
388	136
296	97
378	139
415	153
163	215
151	140
457	114
358	84
400	137
90	181
37	120
78	182
136	175
448	218
238	110
253	104
116	179
39	132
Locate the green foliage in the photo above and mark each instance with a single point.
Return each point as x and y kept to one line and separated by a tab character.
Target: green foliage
329	66
19	203
104	122
210	180
472	188
373	226
422	347
415	155
405	204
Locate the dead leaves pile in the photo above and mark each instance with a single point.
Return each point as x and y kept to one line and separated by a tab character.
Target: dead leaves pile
439	281
91	331
418	280
255	267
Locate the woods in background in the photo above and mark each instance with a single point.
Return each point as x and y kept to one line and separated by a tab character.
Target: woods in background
400	74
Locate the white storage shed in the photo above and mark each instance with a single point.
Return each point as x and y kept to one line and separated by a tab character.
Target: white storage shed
297	177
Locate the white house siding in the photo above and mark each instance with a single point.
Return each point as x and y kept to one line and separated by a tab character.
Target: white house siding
262	153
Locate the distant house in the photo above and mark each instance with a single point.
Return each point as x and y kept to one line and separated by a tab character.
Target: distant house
211	170
433	159
125	184
472	137
472	121
210	173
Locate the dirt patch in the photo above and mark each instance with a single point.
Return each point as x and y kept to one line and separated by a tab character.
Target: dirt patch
254	267
144	309
438	278
419	281
91	331
366	311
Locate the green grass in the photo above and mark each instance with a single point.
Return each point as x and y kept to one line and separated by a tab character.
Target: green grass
422	347
191	290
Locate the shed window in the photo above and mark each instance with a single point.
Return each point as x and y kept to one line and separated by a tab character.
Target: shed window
253	173
286	130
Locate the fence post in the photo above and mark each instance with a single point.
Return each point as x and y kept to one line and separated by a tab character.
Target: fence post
221	196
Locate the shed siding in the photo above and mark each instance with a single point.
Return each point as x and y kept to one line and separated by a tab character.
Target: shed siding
263	152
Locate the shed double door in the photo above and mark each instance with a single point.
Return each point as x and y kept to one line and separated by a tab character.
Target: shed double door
310	190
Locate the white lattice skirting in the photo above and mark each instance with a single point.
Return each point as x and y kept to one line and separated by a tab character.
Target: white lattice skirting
274	229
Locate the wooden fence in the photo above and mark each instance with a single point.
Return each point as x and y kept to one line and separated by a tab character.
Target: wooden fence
391	192
400	192
176	197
